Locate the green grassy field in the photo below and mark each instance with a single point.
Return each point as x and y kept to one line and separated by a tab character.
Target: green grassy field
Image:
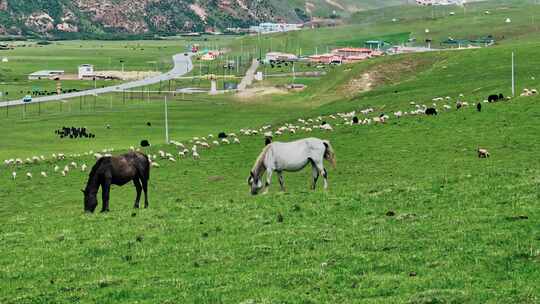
68	55
412	214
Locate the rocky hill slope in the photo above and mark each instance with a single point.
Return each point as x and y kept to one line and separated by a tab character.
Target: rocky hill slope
105	17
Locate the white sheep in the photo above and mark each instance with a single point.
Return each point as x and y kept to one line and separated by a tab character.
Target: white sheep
196	155
43	174
14	175
236	140
28	175
83	167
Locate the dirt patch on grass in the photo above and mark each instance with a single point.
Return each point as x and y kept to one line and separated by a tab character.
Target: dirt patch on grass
390	72
258	92
359	85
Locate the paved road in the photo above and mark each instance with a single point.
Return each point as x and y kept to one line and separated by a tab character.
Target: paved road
250	74
182	65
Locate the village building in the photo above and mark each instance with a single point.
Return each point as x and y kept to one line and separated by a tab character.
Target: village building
326	59
278	56
86	71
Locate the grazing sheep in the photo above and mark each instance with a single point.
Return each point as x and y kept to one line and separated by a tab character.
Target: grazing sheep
236	140
459	104
196	155
14	175
222	135
327	127
225	141
493	98
83	167
172	159
215	143
431	111
483	153
56	168
43	174
28	175
182	154
154	164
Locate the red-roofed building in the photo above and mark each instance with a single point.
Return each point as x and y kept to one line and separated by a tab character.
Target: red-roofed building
326	58
346	52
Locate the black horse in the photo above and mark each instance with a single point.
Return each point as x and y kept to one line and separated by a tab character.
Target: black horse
117	170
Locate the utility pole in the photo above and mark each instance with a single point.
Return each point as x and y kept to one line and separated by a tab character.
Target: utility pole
166	123
513	77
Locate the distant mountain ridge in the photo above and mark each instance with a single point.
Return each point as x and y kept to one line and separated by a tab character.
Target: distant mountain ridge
72	18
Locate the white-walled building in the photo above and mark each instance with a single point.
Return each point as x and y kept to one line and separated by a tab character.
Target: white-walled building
267	28
86	71
440	2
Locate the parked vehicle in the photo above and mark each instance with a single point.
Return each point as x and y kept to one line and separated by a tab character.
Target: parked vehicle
27	98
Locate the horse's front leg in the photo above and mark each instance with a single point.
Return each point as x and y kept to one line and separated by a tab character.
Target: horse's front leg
105	190
268	180
138	187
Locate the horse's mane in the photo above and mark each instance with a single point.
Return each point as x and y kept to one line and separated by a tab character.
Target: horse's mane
260	160
94	169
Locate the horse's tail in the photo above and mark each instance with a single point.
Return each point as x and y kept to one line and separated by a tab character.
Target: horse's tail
329	153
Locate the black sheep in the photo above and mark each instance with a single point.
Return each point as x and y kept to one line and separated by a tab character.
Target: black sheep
355	120
479	107
267	140
431	111
493	98
145	143
222	135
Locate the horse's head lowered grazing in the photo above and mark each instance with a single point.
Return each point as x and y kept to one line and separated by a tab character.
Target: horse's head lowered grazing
90	192
255	183
90	201
254	180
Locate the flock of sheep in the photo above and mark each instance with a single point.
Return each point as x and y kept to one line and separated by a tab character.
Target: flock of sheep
194	147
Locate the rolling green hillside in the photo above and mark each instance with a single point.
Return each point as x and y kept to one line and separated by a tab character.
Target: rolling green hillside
412	214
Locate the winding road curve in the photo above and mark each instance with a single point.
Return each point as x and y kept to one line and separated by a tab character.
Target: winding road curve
182	66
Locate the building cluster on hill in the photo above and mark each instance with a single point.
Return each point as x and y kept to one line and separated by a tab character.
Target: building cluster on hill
346	55
268	28
440	2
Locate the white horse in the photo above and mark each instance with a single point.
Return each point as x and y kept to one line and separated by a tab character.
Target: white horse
291	157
